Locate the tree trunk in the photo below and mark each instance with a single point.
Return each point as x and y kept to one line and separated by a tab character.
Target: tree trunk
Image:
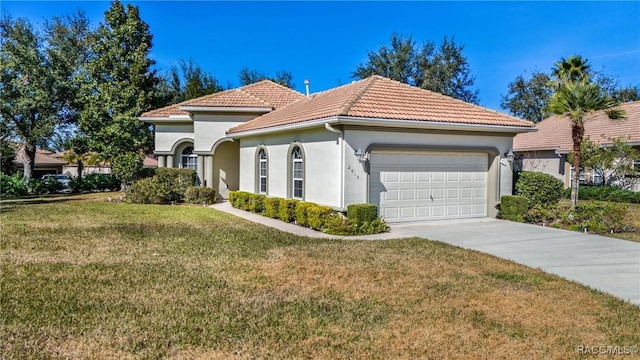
80	169
577	134
29	161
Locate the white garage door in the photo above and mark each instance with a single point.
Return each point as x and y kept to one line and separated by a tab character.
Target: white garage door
428	186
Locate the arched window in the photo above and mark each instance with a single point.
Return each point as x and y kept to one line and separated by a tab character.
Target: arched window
262	171
297	173
188	159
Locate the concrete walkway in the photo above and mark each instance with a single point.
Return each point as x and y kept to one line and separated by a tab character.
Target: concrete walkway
607	264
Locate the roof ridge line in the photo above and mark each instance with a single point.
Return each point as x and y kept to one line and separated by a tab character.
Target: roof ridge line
344	109
280	85
254	97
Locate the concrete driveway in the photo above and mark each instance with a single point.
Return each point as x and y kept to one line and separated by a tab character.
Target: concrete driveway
602	263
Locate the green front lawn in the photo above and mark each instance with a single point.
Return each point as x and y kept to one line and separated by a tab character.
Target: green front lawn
85	278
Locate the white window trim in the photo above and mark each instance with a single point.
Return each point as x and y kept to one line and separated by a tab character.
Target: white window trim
188	160
262	161
295	161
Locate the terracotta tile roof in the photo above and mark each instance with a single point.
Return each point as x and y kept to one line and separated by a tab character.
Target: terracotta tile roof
171	110
555	132
43	157
382	98
265	93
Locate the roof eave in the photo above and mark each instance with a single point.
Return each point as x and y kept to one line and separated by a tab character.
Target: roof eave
435	125
227	109
409	124
165	119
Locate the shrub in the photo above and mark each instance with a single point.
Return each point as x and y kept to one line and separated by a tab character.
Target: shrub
12	185
361	213
127	167
199	195
287	210
337	224
541	214
301	213
51	186
240	200
513	207
178	179
271	207
149	191
539	188
600	217
376	226
256	203
317	215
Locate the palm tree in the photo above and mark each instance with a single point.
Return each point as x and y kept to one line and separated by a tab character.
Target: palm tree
89	158
578	99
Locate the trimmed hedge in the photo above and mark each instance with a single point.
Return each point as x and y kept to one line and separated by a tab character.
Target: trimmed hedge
361	213
256	203
271	207
287	210
606	193
199	195
318	217
513	207
539	188
301	213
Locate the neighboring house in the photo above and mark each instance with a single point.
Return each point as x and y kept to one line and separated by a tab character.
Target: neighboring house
103	167
416	154
44	163
546	150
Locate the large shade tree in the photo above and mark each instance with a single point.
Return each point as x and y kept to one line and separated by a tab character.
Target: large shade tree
577	98
441	68
122	85
39	79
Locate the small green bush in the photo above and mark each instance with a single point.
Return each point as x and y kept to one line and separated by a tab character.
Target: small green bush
287	210
376	226
149	191
271	207
606	193
513	207
317	215
12	185
600	217
241	200
232	198
199	195
177	179
301	213
337	224
539	188
361	213
256	203
542	215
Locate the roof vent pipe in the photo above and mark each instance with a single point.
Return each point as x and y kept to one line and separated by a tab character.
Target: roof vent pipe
306	85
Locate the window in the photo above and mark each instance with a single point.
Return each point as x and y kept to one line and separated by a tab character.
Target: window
297	167
262	171
189	160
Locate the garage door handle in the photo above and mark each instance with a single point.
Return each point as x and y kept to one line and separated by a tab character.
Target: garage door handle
431	197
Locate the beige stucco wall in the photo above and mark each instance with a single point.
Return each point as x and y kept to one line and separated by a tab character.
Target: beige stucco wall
547	162
226	169
322	164
209	128
167	135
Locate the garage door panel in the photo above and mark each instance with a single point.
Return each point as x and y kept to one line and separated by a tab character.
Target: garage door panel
427	186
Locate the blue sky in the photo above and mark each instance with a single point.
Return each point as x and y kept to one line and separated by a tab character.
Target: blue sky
325	41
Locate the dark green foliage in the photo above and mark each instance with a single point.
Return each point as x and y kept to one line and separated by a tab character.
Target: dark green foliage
167	186
443	69
239	199
528	98
7	155
287	210
199	195
38	79
50	185
600	217
361	213
188	82
301	213
121	86
539	188
149	191
248	76
513	207
271	207
95	182
12	185
317	216
606	193
127	167
256	203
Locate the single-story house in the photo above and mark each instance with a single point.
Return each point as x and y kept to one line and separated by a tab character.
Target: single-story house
546	150
102	167
45	162
416	154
